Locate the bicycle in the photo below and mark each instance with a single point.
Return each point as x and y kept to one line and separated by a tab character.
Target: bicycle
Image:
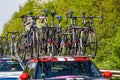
85	40
43	48
1	47
50	39
13	42
74	30
53	40
7	46
29	42
88	36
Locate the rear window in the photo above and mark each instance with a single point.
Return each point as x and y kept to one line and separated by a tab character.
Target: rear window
54	69
10	66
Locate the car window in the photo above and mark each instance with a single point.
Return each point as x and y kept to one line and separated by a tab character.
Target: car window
95	72
10	66
53	69
39	71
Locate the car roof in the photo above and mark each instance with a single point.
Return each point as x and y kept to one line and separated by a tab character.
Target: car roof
8	59
59	58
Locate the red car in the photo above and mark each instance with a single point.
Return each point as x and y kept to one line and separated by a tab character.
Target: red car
62	68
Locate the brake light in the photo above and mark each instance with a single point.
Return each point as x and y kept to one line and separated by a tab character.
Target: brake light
24	76
107	74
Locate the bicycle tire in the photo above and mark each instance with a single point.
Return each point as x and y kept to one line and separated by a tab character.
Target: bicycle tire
23	51
89	41
39	45
13	44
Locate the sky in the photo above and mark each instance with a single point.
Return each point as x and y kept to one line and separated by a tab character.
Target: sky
7	8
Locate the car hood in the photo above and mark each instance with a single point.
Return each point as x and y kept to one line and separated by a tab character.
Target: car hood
10	75
73	78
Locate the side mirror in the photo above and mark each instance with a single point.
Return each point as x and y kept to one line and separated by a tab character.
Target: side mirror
24	76
107	74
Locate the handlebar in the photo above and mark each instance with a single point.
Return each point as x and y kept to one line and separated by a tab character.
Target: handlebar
84	17
33	17
89	17
92	17
30	14
13	32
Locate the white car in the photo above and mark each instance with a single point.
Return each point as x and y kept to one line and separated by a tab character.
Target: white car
10	69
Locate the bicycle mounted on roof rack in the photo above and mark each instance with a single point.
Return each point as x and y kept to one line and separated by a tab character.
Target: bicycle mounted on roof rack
14	34
84	39
51	40
1	47
28	42
7	47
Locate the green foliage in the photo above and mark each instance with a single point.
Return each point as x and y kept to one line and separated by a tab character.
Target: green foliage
108	33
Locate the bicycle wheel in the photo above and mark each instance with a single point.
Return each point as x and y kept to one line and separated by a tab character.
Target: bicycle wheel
89	41
13	44
23	47
39	44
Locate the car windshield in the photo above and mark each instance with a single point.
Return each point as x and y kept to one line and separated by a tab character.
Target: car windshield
6	66
65	68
